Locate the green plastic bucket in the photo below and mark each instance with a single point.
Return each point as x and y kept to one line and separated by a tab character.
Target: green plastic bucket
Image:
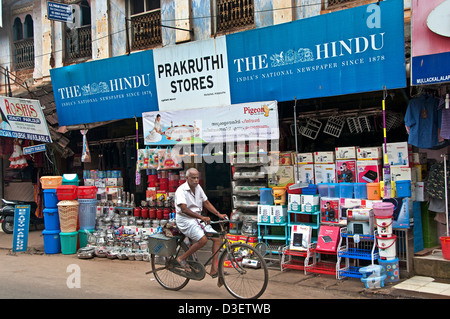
69	243
83	235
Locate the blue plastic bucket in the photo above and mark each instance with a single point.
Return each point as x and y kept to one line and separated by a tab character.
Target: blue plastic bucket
87	212
265	196
360	190
403	188
333	189
50	198
52	243
51	219
69	242
323	189
346	190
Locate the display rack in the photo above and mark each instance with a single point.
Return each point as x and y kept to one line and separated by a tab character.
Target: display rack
294	259
354	247
311	219
318	265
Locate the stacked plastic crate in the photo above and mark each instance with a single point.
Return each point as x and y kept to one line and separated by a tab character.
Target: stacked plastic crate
52	243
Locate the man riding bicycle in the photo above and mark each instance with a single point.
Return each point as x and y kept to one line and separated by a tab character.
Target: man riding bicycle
189	202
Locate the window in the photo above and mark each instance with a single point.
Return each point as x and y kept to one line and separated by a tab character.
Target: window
234	14
145	17
23	43
337	2
79	33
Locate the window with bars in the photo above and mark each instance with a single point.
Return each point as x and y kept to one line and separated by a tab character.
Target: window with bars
79	33
337	2
23	43
145	19
234	14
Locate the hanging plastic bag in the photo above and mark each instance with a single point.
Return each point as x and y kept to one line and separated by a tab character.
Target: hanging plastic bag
86	154
168	159
142	162
153	156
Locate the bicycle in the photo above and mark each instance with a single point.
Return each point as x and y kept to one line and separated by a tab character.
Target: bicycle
241	267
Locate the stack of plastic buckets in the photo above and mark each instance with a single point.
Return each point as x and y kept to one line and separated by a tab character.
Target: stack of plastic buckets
87	199
52	244
384	212
68	218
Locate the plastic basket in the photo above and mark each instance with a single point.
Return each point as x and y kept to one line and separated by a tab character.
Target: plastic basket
67	192
161	245
68	215
48	182
87	192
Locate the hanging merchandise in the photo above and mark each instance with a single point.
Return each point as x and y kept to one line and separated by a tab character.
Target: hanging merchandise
17	158
334	126
86	154
138	174
148	158
168	159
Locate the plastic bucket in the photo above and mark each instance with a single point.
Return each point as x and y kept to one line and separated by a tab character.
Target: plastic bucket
445	245
384	225
279	195
383	209
87	213
83	235
69	242
360	190
265	196
51	219
403	188
386	247
50	198
52	243
323	189
391	269
70	179
373	191
293	190
333	190
346	190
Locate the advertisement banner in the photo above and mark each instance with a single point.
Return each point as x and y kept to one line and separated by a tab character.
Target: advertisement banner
242	122
343	52
103	90
21	227
192	75
23	118
430	42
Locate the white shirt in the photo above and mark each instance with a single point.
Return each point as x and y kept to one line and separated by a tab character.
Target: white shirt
193	201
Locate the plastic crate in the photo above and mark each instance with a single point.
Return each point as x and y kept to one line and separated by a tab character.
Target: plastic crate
48	182
161	245
66	192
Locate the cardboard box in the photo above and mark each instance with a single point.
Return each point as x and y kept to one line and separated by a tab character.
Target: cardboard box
420	192
101	182
369	153
285	158
345	152
264	212
283	176
89	182
112	192
401	173
397	153
294	202
325	173
419	158
420	172
278	214
305	174
328	238
310	203
329	210
403	211
346	171
114	181
300	237
348	203
324	157
369	171
303	158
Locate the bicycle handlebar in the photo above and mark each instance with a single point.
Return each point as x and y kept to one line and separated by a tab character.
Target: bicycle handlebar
220	221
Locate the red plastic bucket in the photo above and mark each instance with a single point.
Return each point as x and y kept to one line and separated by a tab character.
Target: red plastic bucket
445	245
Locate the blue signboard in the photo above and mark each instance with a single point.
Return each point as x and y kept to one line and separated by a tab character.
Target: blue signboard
108	89
59	12
344	52
34	149
21	227
431	69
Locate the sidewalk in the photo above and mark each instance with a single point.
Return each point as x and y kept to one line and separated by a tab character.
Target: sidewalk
417	287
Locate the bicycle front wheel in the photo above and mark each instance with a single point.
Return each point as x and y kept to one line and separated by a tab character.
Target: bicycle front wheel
161	267
244	271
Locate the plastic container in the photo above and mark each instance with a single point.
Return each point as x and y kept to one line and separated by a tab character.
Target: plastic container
87	213
51	219
68	215
445	245
265	196
294	190
346	190
50	198
70	179
52	242
144	212
51	182
386	247
279	195
383	209
391	269
333	190
323	189
310	190
374	282
373	191
69	242
67	192
360	190
87	192
403	188
83	235
384	225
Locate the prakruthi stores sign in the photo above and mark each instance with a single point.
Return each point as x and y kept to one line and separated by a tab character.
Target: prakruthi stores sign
349	51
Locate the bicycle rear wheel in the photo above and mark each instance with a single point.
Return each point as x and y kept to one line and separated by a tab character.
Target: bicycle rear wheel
244	271
161	269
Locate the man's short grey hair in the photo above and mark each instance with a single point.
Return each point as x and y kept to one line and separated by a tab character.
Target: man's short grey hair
191	170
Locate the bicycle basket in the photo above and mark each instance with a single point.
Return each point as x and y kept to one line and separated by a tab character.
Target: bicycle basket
161	245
